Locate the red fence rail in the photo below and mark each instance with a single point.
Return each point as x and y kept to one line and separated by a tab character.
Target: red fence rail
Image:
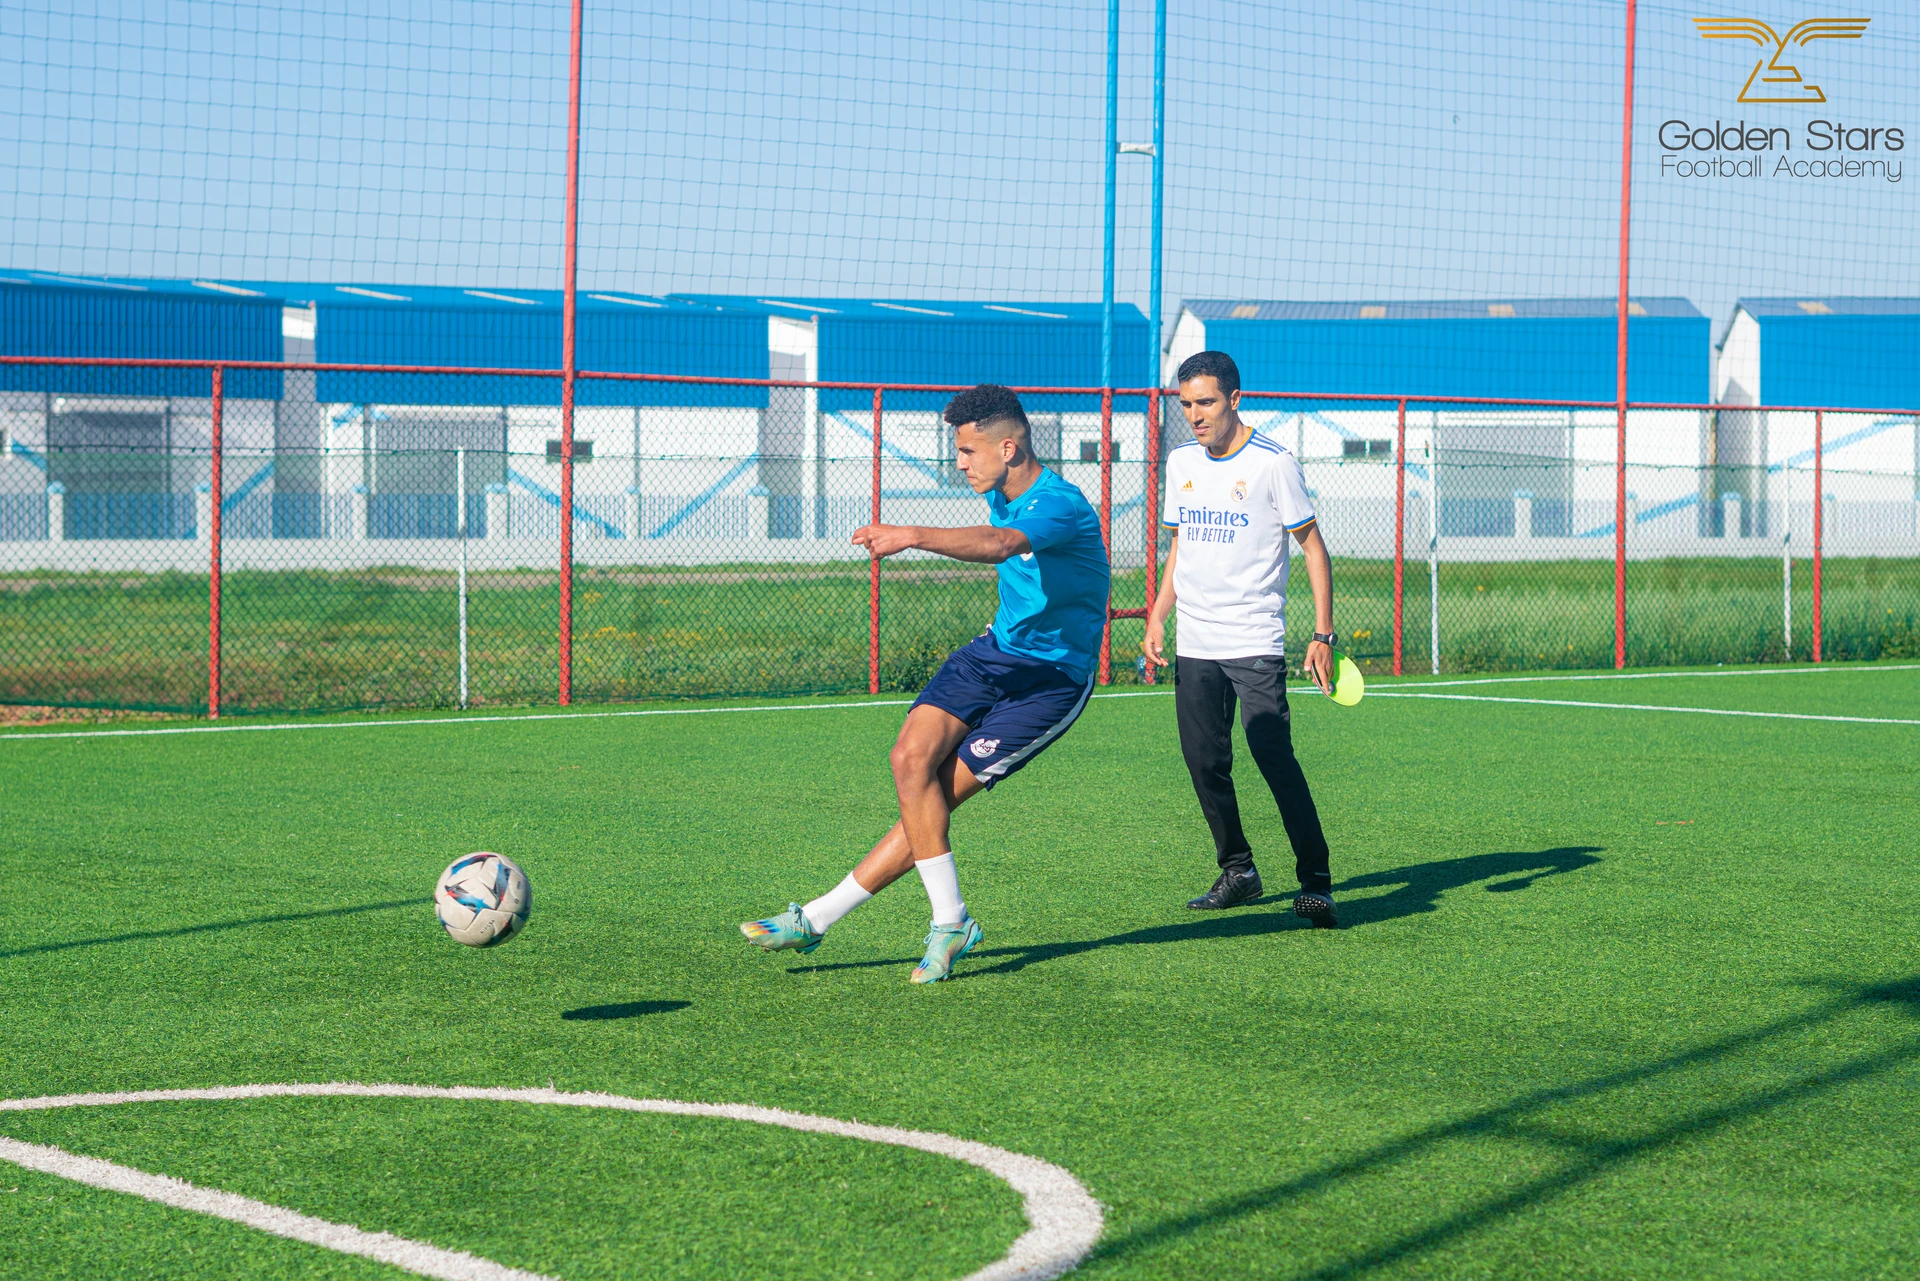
1399	534
873	566
217	494
1620	350
569	360
1819	522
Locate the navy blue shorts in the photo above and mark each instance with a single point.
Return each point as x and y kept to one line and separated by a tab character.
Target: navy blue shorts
1013	706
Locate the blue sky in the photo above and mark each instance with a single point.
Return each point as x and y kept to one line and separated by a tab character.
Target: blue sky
1320	149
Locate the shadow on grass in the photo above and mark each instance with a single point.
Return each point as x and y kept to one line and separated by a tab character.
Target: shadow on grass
1422	884
1590	1155
625	1010
1420	887
211	927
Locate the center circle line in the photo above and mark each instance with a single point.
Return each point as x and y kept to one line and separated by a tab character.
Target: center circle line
1064	1221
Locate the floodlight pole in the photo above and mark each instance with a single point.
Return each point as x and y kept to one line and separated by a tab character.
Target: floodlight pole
1159	189
1112	180
1106	323
1154	286
569	365
1620	359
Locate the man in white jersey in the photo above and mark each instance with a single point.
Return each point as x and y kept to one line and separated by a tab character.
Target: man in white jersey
1234	498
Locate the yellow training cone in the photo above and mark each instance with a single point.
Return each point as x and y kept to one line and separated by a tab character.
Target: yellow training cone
1349	686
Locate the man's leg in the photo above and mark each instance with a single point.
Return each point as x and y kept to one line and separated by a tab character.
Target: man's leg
1203	706
934	799
928	778
1269	726
892	855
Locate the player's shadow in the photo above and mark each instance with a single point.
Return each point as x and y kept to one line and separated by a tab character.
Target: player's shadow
624	1010
210	927
1549	1120
1418	889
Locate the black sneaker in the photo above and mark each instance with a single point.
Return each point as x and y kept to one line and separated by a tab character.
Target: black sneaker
1310	905
1231	890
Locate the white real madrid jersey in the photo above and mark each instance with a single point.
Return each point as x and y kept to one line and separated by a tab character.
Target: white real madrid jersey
1234	516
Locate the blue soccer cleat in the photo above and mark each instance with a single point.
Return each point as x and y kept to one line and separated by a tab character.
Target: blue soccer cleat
945	945
789	929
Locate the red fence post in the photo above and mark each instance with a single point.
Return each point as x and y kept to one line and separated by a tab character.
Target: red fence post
1819	518
569	367
873	567
1620	357
213	553
1153	512
1399	532
1106	527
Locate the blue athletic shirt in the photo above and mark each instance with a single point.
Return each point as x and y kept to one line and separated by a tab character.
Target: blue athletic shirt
1053	600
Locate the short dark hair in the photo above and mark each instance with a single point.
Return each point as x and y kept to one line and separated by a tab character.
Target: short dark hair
985	405
1215	364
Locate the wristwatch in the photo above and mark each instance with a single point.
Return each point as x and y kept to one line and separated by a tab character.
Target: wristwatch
1326	638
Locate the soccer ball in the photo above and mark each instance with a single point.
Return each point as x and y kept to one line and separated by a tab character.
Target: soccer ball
483	899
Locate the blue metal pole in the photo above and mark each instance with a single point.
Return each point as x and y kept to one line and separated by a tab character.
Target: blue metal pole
1113	159
1159	178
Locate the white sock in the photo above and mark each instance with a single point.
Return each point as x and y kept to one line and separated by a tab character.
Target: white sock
835	903
942	880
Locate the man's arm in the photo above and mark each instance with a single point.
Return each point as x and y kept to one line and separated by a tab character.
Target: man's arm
1154	645
1313	549
983	544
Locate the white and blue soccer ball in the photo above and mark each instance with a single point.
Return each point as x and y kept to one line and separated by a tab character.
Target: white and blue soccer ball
483	899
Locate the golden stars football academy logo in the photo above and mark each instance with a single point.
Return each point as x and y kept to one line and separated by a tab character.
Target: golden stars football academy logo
1773	80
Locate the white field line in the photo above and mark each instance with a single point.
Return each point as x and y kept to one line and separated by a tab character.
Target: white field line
1378	691
1641	707
447	720
1656	676
485	720
1064	1220
410	1256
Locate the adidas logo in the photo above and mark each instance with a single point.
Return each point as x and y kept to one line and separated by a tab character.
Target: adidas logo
1187	488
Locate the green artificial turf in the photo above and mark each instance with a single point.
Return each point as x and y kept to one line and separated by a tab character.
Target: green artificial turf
330	640
1621	993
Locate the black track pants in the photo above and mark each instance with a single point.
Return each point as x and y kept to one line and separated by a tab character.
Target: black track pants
1204	694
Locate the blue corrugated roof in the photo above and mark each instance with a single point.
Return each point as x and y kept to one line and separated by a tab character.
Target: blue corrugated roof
1537	349
488	333
380	323
1824	305
451	297
1839	351
1017	343
45	314
896	309
1440	309
122	284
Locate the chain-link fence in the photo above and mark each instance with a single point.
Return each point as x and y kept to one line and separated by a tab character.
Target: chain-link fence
387	555
1508	533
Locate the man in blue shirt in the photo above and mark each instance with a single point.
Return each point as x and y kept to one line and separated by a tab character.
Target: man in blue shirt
999	701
